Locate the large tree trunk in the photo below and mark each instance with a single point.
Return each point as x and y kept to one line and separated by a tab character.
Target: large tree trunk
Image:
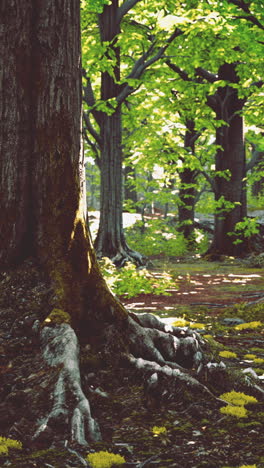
44	233
40	144
230	161
110	241
41	170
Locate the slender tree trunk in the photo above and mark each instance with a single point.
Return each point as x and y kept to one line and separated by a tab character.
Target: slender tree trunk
230	159
110	240
187	192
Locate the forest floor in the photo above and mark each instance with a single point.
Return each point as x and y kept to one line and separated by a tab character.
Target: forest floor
206	295
209	297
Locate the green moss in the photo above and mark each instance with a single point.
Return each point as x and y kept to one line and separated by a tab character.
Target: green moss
248	466
248	325
214	345
259	361
249	313
237	401
227	354
57	317
6	444
248	424
237	411
238	398
157	430
104	459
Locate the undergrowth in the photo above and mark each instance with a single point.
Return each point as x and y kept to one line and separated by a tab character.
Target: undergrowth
130	281
160	237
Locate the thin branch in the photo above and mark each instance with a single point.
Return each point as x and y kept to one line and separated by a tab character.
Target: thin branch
124	9
88	97
161	51
208	76
241	4
258	84
91	129
126	91
249	17
93	147
199	194
143	63
196	136
178	70
209	179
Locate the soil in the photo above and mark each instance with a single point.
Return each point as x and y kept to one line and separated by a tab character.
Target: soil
146	433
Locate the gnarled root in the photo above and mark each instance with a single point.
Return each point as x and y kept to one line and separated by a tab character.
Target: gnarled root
163	353
152	339
125	255
61	350
172	360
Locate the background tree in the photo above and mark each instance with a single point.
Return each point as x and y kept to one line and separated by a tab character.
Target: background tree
106	112
226	86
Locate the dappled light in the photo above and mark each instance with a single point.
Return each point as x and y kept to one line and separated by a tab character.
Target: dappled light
196	288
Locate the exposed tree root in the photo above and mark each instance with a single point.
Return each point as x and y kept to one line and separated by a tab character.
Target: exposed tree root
128	255
156	340
61	350
170	359
121	255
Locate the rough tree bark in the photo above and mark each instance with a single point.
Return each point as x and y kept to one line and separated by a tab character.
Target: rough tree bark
229	157
43	226
110	240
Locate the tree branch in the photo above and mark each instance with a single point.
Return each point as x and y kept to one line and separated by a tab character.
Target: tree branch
91	129
208	76
142	64
178	70
249	17
88	97
209	179
88	90
252	19
124	9
93	147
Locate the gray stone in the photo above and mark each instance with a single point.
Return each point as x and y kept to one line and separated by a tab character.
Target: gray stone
232	321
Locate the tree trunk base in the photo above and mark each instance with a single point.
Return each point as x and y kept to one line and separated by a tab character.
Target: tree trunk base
122	256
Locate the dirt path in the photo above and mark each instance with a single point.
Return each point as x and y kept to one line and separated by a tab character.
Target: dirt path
213	285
